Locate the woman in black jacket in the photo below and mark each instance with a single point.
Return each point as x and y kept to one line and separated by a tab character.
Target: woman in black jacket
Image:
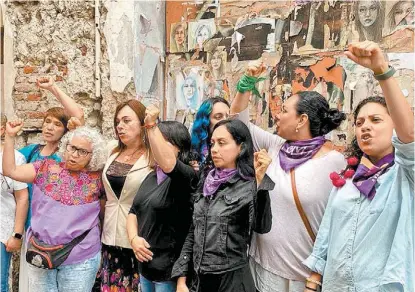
227	209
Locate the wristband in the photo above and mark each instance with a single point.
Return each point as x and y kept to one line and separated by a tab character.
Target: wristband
148	127
313	281
309	288
388	74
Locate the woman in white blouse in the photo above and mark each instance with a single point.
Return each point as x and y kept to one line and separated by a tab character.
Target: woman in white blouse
14	204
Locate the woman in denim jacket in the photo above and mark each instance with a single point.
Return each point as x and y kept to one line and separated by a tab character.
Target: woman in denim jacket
366	239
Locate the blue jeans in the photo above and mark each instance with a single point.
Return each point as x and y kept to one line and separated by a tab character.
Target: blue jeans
151	286
5	258
69	278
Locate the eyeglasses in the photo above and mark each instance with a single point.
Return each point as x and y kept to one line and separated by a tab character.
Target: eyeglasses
81	152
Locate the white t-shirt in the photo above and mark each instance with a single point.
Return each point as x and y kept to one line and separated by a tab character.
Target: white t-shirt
282	250
7	200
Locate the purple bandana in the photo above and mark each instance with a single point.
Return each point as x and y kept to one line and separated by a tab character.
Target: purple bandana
293	154
215	178
161	176
368	173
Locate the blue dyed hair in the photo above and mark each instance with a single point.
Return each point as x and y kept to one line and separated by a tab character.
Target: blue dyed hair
200	129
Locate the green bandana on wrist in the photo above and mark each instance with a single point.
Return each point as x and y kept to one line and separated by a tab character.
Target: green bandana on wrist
247	83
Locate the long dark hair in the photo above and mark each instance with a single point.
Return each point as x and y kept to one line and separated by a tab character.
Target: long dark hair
178	135
245	160
323	119
200	129
353	150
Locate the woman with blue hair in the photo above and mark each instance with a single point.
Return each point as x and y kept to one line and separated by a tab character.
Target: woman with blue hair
212	111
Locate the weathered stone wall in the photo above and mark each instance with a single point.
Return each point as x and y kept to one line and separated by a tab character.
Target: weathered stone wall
57	38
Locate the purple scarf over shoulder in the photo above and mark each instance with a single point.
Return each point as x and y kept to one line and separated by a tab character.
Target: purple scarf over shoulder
161	176
293	154
215	178
367	174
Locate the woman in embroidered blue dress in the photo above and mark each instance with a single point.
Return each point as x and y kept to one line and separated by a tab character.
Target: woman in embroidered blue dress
366	239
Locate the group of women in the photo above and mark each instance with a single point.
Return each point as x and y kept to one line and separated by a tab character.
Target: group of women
230	207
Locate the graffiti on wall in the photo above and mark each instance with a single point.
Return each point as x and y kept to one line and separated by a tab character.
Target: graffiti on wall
300	42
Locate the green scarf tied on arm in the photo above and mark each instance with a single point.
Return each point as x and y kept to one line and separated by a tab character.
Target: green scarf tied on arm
247	83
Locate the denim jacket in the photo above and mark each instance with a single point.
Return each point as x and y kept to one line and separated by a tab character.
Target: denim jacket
222	225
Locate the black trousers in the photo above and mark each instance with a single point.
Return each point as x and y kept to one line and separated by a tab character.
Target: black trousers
235	281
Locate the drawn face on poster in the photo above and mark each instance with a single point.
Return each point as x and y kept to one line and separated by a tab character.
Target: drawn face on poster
401	13
187	93
217	63
199	32
369	19
178	38
203	33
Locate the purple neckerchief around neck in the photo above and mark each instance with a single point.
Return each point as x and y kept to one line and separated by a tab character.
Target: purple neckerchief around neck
161	176
367	174
293	154
215	178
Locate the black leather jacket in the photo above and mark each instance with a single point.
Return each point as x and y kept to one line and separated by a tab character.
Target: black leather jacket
220	233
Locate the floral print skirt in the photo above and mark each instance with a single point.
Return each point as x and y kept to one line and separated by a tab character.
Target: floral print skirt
119	271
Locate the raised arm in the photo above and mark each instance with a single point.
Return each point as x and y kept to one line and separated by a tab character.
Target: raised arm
23	173
369	55
70	106
163	152
260	138
241	100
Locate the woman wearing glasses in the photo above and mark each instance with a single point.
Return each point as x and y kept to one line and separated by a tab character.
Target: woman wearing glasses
14	204
65	210
53	128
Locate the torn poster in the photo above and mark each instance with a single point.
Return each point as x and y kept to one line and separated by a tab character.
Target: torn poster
217	63
149	46
398	14
178	37
118	31
199	32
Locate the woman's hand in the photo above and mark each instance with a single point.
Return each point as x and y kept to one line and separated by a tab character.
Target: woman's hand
181	285
45	83
13	244
152	114
255	68
368	54
13	127
261	162
141	249
74	123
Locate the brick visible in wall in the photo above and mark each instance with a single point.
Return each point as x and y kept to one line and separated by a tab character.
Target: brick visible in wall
35	115
83	49
34	96
29	69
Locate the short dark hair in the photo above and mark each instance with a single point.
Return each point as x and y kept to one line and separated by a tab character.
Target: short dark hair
178	135
323	119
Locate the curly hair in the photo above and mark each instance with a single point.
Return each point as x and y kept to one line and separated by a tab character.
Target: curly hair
200	129
353	150
99	153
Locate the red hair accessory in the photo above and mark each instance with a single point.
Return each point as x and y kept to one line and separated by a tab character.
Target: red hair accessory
339	179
